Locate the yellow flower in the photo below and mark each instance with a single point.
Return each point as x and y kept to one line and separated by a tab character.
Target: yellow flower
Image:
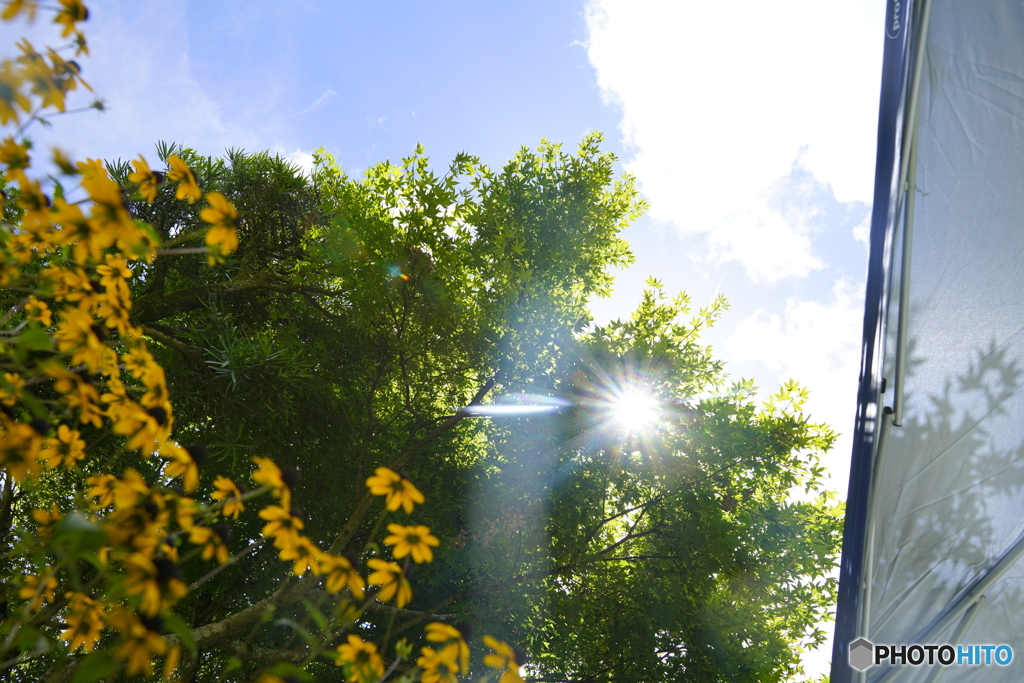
38	310
171	662
13	155
154	427
157	582
147	179
141	640
102	489
438	632
8	273
84	620
504	659
400	491
220	211
113	274
283	527
71	12
392	582
10	385
187	509
47	519
44	83
439	666
36	593
229	493
180	173
304	556
11	96
67	74
15	7
181	464
129	490
19	450
412	539
139	526
341	573
271	476
213	539
80	335
67	448
109	222
142	365
223	232
78	392
443	633
365	665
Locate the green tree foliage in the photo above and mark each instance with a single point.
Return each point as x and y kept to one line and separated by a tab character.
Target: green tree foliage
353	327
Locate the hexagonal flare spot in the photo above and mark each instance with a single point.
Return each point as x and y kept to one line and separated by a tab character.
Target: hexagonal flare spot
862	654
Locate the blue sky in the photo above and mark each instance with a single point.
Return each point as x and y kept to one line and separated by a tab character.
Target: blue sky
750	128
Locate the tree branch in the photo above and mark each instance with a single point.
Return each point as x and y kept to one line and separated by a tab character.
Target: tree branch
167	340
264	654
604	521
154	307
625	539
221	567
444	426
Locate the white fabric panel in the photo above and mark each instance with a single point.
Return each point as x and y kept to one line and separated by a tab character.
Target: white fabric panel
950	496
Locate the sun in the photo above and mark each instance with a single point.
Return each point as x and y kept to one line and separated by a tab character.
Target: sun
634	410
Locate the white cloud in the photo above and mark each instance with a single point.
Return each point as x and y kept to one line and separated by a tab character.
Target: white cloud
765	244
717	106
771	236
304	160
862	232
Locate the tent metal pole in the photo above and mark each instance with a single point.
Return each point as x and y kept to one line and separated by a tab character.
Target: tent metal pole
908	185
868	574
958	635
903	324
913	106
957	609
864	628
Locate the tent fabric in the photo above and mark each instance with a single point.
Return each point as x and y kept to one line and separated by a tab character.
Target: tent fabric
948	497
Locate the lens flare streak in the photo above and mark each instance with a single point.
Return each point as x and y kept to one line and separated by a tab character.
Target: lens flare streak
517	405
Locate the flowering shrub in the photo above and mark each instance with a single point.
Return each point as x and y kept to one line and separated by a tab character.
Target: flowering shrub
103	567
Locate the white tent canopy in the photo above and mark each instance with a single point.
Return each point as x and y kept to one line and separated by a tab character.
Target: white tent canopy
936	503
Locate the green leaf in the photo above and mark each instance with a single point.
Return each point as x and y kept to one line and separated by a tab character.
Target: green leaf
35	338
403	648
95	667
181	629
317	615
284	670
295	626
78	534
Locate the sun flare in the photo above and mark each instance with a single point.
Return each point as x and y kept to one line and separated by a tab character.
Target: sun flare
634	410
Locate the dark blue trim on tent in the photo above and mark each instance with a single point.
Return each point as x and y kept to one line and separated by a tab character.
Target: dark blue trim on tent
895	76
